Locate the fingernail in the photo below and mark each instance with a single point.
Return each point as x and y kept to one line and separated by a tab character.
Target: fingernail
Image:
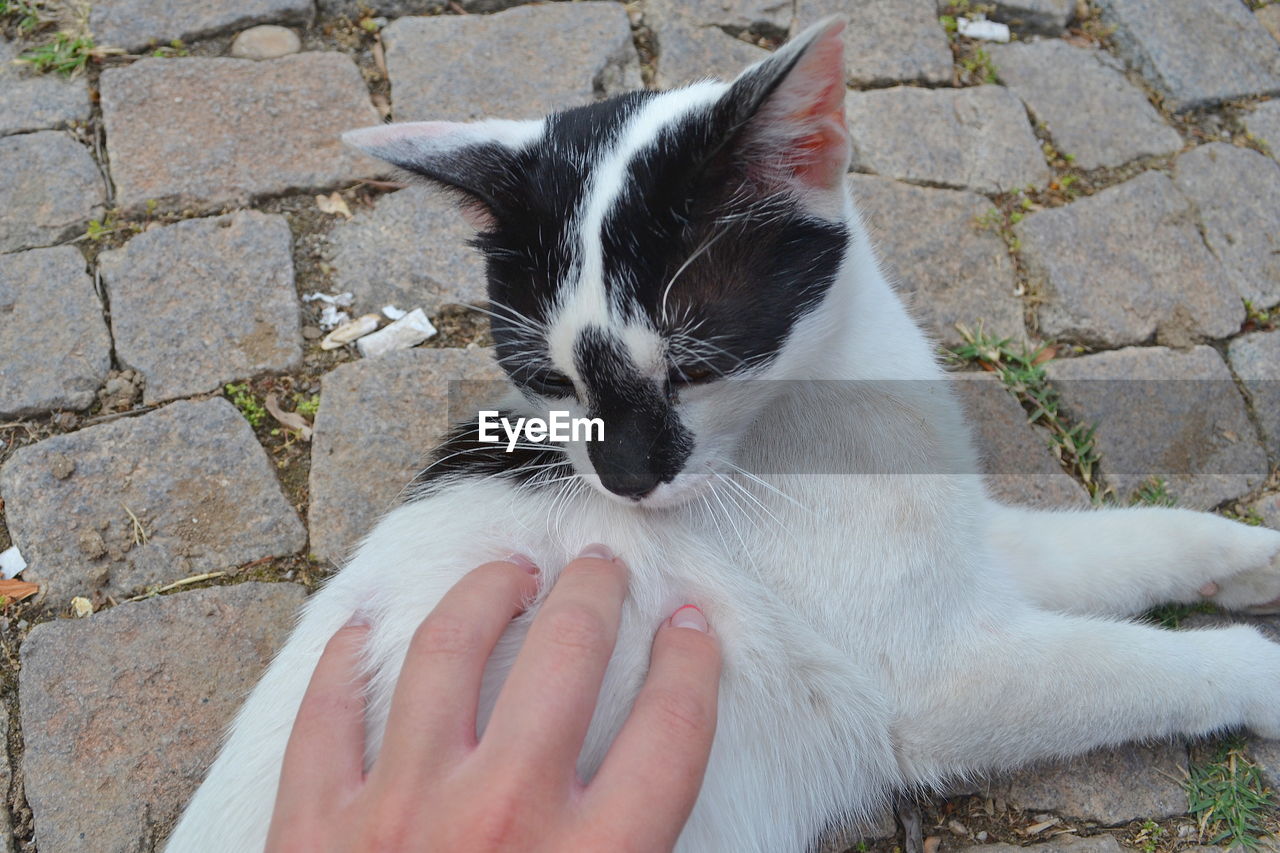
689	616
600	552
1209	589
523	562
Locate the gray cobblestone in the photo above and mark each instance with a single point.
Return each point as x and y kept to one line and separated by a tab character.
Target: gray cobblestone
134	24
1090	110
54	346
378	420
49	189
1234	191
948	267
977	138
31	101
123	711
411	251
1197	52
1175	415
1126	265
205	301
1256	360
460	67
192	474
263	127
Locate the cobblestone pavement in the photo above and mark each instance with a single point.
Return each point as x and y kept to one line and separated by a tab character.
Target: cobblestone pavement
1106	184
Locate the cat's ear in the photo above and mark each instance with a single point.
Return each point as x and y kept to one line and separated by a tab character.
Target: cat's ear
785	114
470	158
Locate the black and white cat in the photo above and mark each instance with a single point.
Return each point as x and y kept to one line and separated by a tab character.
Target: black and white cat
647	256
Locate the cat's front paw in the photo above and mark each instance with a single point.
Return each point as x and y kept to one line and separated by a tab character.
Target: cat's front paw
1256	588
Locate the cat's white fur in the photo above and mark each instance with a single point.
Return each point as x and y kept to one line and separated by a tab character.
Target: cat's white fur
879	631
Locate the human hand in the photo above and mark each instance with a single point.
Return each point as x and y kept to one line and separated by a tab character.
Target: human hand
436	786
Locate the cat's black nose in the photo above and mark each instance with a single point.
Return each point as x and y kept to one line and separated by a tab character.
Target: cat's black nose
628	484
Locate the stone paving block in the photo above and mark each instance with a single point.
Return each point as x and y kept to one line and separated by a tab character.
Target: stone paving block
378	422
1090	110
947	266
1115	786
263	128
411	251
354	9
134	24
689	53
887	41
1196	52
54	346
1268	509
1127	264
1255	357
31	101
1018	465
123	711
976	138
201	487
205	301
1267	754
1101	843
1235	191
1048	17
49	189
522	63
1165	413
771	17
1264	125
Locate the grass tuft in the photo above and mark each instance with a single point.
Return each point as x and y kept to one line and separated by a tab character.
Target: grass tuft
1228	797
1022	372
65	55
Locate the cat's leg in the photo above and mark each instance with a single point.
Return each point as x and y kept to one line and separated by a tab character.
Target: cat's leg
1047	685
1123	561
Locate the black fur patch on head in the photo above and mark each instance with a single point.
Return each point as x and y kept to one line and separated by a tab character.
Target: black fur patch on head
532	246
644	443
462	455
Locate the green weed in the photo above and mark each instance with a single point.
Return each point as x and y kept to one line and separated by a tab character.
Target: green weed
243	399
1228	798
1022	372
307	406
1154	492
65	55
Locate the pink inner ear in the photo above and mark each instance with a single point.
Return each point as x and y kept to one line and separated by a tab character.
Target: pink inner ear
805	116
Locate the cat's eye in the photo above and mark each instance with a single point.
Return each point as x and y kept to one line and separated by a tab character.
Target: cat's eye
691	374
552	383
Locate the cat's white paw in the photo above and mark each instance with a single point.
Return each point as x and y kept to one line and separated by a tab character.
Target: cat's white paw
1256	588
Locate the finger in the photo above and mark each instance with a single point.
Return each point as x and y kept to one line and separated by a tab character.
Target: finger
541	716
324	758
432	721
651	776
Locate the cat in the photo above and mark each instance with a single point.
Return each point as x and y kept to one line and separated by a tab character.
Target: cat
688	266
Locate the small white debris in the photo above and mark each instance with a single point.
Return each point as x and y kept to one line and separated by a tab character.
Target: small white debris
81	607
391	312
982	29
342	300
348	332
333	204
1037	828
409	331
332	317
11	563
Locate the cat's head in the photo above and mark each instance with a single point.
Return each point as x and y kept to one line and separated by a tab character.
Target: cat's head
646	251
